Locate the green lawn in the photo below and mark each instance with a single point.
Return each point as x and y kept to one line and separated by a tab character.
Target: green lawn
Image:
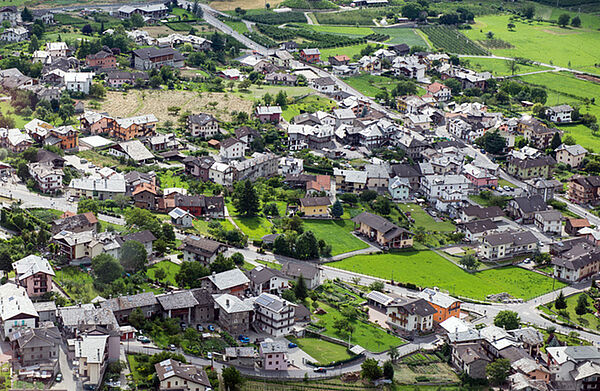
238	26
168	179
78	284
423	219
9	111
170	268
401	35
588	320
255	92
336	233
349	51
504	182
351	31
371	85
254	227
427	269
323	351
540	41
499	67
309	104
202	225
367	335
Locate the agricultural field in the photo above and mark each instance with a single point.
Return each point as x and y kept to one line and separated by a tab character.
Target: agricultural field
337	233
219	104
257	92
324	352
367	335
423	219
309	104
238	26
428	269
170	268
424	367
230	5
351	31
78	284
361	17
499	67
452	40
401	35
541	41
349	51
371	85
254	227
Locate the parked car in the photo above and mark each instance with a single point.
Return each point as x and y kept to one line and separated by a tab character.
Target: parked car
172	347
58	378
507	188
320	370
292	345
143	339
183	325
200	328
244	339
211	327
209	355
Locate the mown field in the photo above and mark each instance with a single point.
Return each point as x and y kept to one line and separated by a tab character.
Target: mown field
499	67
322	351
401	35
541	41
371	85
337	233
428	269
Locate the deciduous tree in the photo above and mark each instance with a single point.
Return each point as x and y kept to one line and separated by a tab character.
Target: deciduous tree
498	371
509	320
133	256
106	268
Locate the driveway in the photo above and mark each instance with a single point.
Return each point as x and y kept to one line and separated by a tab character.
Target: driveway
68	382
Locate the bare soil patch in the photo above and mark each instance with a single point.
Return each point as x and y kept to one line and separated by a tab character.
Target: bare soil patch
593	79
219	104
158	31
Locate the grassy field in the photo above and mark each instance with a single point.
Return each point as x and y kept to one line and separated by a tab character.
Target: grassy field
256	92
238	26
367	335
170	268
427	269
351	31
499	67
254	227
322	351
336	233
202	225
99	159
9	111
78	284
401	35
541	41
309	104
219	104
588	320
168	179
371	85
349	51
423	219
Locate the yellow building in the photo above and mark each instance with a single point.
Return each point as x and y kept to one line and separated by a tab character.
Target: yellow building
315	206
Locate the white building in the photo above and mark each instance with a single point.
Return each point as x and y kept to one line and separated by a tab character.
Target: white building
549	221
48	178
291	165
232	148
221	173
91	351
559	114
435	185
16	309
274	315
412	315
57	49
15	34
79	81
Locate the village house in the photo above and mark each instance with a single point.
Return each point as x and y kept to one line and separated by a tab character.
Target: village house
543	187
575	259
145	237
280	78
507	244
471	358
350	181
309	272
178	305
324	85
15	34
199	249
315	206
48	179
274	315
476	212
434	186
200	205
445	305
538	134
203	125
118	78
571	155
273	355
233	314
151	11
574	367
153	57
132	150
559	114
476	229
77	223
584	190
523	209
104	59
410	315
572	226
14	140
232	148
181	218
173	375
134	127
266	280
78	248
233	282
16	310
198	166
10	14
549	221
310	55
123	306
439	91
527	168
78	81
36	347
382	231
282	58
399	189
93	353
34	273
268	114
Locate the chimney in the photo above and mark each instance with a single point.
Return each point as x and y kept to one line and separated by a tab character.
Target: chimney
227	303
